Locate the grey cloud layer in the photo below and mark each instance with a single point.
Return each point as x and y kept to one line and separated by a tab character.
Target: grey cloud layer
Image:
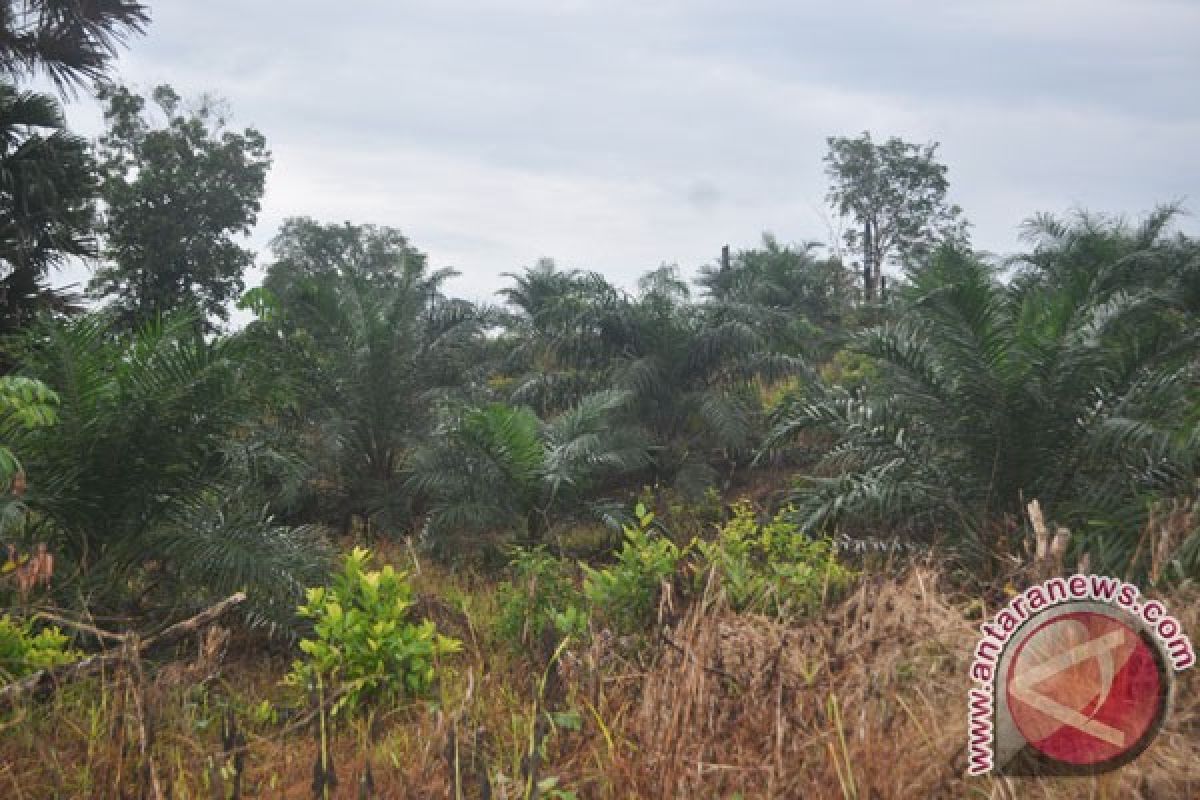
618	135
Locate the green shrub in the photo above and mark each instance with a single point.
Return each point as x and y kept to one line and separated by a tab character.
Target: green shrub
366	647
22	651
541	595
626	594
850	370
774	568
682	517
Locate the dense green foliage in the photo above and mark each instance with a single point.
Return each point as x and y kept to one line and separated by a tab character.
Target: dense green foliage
143	484
501	468
187	462
1074	384
763	419
176	196
366	348
772	568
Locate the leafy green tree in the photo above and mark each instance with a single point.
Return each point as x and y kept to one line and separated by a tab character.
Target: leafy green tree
895	195
177	196
47	190
365	647
988	393
305	248
71	42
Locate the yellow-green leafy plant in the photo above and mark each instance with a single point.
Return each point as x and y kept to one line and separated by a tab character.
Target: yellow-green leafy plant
542	594
366	646
850	369
23	652
772	567
625	595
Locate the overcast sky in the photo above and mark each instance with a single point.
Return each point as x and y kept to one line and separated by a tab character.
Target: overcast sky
616	135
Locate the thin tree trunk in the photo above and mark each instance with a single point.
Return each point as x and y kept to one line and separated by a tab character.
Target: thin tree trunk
869	270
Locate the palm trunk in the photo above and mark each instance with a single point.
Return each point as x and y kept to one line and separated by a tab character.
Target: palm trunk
869	271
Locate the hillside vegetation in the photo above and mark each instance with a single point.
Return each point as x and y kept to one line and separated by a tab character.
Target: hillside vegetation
723	535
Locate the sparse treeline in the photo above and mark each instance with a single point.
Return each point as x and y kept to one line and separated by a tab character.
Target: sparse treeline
165	459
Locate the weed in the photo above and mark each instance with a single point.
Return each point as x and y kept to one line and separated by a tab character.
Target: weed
366	649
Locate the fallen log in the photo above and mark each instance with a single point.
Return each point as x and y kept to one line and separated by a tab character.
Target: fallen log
47	680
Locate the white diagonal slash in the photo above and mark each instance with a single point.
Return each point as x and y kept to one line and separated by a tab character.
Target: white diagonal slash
1100	649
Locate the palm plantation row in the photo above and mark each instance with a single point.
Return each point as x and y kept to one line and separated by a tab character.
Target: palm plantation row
155	445
180	467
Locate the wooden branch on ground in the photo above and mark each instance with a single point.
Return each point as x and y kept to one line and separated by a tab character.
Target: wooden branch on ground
47	680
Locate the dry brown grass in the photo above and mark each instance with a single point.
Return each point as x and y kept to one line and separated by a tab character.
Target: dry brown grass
868	701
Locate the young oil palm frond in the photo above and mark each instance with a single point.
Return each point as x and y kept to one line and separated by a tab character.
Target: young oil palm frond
145	425
216	544
583	445
500	468
874	468
483	472
989	394
546	391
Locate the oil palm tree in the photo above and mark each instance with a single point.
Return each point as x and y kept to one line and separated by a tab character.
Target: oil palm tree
500	468
693	371
696	372
375	353
561	328
990	393
813	293
71	42
47	193
138	485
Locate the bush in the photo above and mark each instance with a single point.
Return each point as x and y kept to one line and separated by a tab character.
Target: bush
541	596
23	652
774	568
626	594
366	647
850	370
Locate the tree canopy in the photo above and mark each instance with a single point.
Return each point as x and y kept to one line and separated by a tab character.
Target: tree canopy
895	196
177	196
